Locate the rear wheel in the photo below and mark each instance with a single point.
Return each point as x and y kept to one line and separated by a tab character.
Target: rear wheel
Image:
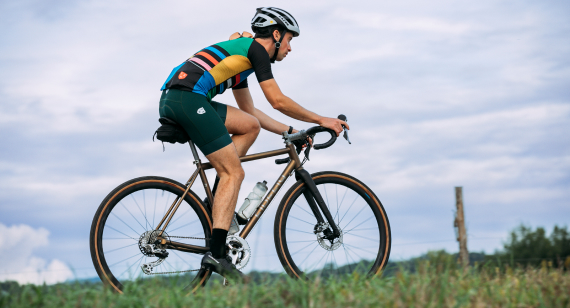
124	227
364	243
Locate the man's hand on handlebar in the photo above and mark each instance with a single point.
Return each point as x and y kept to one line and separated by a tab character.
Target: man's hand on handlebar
334	124
309	139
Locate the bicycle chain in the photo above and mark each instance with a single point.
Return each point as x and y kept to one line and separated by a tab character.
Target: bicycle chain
186	271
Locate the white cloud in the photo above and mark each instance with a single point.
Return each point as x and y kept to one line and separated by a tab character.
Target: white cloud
17	262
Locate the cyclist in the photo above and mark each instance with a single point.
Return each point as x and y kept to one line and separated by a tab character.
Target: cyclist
187	99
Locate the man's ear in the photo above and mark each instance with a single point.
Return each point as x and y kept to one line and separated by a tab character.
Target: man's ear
277	35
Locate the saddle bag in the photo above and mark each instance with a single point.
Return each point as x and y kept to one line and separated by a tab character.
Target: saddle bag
170	132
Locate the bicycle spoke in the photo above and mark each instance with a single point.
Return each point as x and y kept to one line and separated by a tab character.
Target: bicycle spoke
302	248
366	238
179	257
183	226
144	215
166	207
154	211
334	259
138	253
179	216
327	196
304	210
130	266
107	226
361	249
345	232
354	217
118	238
300	231
336	195
108	252
347	258
310	253
341	201
348	209
312	224
121	203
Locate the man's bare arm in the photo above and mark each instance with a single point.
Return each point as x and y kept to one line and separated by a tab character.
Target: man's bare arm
245	103
289	107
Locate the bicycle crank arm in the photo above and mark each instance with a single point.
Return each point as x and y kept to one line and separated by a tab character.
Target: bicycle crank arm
187	247
301	173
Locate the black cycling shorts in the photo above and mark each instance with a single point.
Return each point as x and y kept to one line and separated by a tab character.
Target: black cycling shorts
202	119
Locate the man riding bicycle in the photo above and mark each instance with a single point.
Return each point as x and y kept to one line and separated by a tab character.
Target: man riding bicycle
187	99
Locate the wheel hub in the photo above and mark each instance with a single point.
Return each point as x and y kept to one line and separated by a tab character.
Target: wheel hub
322	232
150	246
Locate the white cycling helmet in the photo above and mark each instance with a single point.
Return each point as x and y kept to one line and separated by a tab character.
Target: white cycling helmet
271	16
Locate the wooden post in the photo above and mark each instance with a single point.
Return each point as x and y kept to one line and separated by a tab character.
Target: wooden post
459	224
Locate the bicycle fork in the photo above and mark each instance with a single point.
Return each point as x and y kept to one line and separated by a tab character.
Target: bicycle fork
312	194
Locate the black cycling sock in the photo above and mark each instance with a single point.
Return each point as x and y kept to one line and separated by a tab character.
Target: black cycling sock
218	243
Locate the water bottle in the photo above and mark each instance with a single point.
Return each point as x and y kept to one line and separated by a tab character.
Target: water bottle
252	201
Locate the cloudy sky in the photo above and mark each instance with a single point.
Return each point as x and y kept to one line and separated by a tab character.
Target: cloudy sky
438	94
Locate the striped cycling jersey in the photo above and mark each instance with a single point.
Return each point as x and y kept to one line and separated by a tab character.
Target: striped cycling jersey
221	66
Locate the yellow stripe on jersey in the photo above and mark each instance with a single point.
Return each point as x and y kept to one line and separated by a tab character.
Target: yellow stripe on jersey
229	67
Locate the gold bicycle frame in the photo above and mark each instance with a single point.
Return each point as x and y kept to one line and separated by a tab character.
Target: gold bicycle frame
294	163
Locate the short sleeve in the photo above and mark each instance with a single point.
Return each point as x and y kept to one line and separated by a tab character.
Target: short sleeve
260	61
241	85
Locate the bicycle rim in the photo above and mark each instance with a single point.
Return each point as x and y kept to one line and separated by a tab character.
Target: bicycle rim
364	245
129	215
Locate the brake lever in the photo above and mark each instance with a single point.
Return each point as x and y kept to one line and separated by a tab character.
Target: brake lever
345	135
308	150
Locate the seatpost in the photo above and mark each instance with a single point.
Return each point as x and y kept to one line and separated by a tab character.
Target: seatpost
194	152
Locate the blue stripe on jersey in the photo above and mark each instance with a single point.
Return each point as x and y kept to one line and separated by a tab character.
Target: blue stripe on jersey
204	84
170	76
222	88
217	52
243	75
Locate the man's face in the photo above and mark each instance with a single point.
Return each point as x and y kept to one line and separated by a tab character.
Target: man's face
285	46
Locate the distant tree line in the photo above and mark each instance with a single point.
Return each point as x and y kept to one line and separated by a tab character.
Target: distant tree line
526	246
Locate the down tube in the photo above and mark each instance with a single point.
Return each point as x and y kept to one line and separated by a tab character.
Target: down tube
274	190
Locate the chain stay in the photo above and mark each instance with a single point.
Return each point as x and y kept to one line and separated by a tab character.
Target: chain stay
189	237
165	273
186	271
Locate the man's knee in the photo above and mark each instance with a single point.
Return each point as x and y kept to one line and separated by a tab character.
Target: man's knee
234	172
238	174
254	126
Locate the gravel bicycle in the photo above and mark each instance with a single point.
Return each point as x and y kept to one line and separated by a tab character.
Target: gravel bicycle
328	223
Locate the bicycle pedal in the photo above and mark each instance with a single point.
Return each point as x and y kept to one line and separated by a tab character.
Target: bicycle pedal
225	283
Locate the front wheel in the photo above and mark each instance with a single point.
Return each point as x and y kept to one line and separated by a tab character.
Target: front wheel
123	239
363	245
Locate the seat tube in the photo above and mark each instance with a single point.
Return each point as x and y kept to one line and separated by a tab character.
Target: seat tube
202	173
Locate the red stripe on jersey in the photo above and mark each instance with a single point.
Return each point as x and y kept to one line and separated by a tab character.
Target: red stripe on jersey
207	56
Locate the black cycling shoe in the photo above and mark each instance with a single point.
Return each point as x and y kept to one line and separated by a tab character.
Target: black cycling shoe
224	267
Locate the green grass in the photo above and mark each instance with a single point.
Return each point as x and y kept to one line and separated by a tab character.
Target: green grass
430	286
